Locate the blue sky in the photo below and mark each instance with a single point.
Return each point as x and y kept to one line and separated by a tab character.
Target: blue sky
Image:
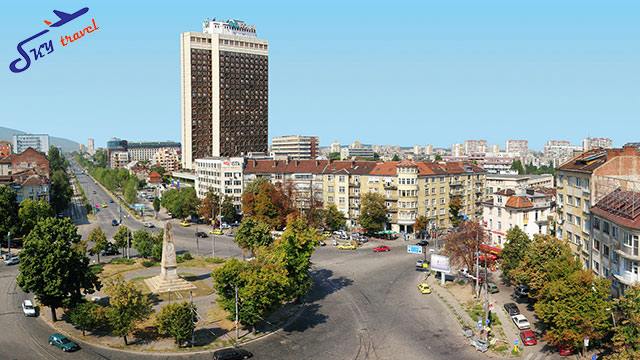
392	72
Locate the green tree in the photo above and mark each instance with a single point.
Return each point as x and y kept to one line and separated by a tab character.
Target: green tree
56	160
156	204
9	220
87	316
575	307
395	157
438	157
156	248
268	203
228	210
143	243
177	320
546	260
99	240
334	156
421	225
128	306
60	194
626	333
131	190
455	205
181	203
253	233
295	246
32	211
333	218
209	206
517	165
100	158
53	265
513	252
373	212
121	238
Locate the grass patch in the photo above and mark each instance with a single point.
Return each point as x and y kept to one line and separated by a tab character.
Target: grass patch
214	260
96	269
476	311
150	263
122	261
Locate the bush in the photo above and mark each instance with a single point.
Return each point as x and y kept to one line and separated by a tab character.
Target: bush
96	269
149	263
124	261
86	316
214	260
187	256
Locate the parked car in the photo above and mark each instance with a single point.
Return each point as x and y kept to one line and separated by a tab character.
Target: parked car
28	309
347	247
565	350
528	338
225	226
148	224
421	264
492	288
382	248
201	234
13	260
424	288
521	322
423	242
185	223
216	232
321	243
511	309
231	354
521	291
104	205
115	222
62	342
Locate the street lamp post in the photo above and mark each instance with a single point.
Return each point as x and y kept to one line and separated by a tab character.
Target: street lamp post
237	317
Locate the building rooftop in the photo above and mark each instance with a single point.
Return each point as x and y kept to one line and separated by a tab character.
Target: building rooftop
519	202
588	161
621	207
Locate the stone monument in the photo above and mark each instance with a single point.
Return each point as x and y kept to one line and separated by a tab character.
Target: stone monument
168	280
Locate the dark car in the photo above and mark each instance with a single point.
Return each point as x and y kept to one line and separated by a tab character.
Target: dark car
201	234
521	291
62	342
423	243
114	222
511	309
231	354
111	201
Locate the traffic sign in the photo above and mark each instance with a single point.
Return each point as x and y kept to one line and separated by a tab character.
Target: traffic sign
515	342
414	249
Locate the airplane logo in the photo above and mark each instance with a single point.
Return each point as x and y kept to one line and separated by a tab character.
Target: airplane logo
65	17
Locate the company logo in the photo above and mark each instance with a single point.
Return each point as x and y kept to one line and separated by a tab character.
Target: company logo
40	50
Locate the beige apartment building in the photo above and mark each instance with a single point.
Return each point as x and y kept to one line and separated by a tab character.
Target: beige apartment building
581	182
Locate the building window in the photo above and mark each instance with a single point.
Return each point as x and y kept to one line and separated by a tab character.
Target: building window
596	245
596	223
605	251
605	227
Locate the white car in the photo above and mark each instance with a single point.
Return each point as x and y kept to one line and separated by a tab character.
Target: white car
148	225
521	322
28	309
13	260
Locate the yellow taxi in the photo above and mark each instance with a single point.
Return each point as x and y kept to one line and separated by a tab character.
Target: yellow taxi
424	288
104	205
215	232
347	247
185	223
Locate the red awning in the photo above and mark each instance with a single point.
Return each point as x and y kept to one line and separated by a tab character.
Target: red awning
490	249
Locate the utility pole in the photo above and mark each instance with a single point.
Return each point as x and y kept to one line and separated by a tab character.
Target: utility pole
237	317
477	265
197	242
193	331
9	243
128	243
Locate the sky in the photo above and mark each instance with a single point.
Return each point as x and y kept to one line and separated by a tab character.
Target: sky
384	72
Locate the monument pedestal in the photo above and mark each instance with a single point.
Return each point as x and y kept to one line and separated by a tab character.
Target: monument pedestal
168	280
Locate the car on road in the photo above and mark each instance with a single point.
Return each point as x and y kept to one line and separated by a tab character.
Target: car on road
347	247
148	225
421	264
511	309
104	205
521	322
565	350
528	338
62	342
424	288
382	248
115	222
492	288
13	260
231	354
28	309
423	243
225	226
322	243
185	223
521	291
216	232
94	192
201	234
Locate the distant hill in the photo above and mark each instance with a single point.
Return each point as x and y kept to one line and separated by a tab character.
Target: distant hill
65	144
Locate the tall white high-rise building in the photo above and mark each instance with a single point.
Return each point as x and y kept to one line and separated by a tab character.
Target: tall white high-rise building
91	146
295	146
475	147
224	91
335	147
517	146
594	143
39	142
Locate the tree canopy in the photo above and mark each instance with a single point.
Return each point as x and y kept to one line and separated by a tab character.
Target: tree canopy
128	306
56	160
462	244
177	320
60	191
333	218
8	211
99	240
455	205
268	203
209	206
53	265
32	211
121	238
181	203
253	233
228	210
373	212
626	337
513	252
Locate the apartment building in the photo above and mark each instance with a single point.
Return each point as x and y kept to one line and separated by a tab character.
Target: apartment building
497	182
168	158
521	147
146	150
356	152
475	147
595	143
39	142
341	185
303	177
295	146
582	182
222	175
616	239
533	212
26	160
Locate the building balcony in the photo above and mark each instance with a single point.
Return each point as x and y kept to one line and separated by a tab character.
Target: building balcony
627	278
354	184
455	183
389	186
626	255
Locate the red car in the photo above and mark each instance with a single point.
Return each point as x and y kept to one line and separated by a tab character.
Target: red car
381	248
565	350
528	338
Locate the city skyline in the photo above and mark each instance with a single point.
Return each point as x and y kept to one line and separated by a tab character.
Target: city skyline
481	73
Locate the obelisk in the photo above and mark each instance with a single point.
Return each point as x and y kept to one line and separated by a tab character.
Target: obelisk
168	280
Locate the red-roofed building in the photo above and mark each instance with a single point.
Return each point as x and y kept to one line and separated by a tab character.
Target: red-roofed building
5	149
154	178
28	159
530	210
28	184
584	180
614	251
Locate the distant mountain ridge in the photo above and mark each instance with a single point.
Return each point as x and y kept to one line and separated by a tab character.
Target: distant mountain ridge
65	144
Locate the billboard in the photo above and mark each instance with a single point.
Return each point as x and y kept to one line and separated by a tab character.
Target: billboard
440	263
